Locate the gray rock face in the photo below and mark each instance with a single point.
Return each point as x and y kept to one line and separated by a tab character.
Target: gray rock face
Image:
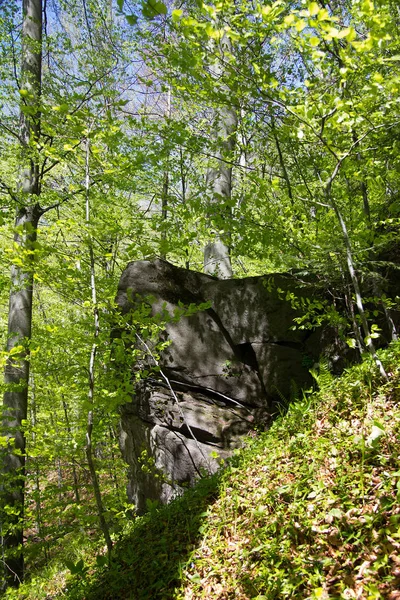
224	371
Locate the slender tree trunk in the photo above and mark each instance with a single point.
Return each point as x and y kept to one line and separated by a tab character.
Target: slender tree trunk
390	322
356	286
357	334
282	161
364	190
113	470
15	400
217	260
93	352
165	188
35	465
184	190
74	473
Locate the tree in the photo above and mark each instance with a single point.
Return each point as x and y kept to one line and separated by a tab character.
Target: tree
39	154
266	132
219	178
296	77
28	213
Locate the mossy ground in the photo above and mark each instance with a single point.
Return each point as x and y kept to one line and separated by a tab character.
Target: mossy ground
309	509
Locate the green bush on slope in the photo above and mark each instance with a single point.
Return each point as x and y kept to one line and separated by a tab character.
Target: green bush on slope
313	510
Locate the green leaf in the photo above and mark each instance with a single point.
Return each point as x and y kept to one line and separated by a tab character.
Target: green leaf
319	593
16	350
78	568
120	4
153	8
176	14
289	19
314	41
101	560
368	7
300	25
313	9
351	34
323	15
132	19
333	32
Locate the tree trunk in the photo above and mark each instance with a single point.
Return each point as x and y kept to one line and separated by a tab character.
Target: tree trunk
36	468
69	430
92	360
356	286
165	188
217	260
15	402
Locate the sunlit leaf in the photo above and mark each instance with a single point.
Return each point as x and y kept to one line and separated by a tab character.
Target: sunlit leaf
313	9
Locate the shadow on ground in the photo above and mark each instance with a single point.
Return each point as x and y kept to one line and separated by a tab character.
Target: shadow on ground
148	564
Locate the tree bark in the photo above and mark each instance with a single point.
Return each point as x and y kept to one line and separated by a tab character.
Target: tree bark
92	360
217	260
165	188
15	401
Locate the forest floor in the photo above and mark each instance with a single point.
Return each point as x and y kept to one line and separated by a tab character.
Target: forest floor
309	509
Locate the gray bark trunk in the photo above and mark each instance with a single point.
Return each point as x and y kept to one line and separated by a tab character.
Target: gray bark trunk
217	260
165	188
15	401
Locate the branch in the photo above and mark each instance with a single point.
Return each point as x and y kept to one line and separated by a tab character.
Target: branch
328	184
44	170
10	192
301	120
61	202
312	201
14	59
10	131
13	572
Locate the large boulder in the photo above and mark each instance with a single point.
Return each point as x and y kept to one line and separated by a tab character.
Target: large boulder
224	372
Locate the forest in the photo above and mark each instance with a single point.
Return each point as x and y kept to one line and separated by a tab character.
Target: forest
236	138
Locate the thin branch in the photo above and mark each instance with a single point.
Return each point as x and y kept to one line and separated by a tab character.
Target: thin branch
87	23
328	184
61	202
14	59
10	192
312	201
10	131
11	571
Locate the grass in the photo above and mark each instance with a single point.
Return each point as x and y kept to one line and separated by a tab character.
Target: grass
309	509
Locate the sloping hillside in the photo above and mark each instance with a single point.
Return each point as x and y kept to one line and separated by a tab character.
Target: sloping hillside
310	509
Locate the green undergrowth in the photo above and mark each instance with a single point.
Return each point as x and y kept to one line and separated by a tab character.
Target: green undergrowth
309	509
